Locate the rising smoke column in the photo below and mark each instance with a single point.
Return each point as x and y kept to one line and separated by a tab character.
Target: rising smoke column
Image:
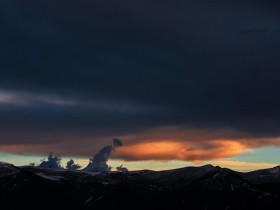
117	143
52	162
72	166
99	162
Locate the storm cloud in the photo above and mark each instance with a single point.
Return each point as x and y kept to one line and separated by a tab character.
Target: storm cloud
78	73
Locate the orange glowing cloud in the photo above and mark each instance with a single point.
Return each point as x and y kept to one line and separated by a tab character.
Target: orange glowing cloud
165	143
172	150
178	143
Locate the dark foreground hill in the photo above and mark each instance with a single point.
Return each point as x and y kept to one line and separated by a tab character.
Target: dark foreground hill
205	187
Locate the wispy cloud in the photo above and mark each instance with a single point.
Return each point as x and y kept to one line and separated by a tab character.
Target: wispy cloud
37	100
25	99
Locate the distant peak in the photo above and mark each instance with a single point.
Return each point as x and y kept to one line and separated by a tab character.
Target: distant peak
5	164
208	166
275	169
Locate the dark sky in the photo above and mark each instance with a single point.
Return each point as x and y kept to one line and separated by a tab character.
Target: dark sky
74	72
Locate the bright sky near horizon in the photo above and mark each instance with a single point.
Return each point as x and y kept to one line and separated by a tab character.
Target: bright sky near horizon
257	159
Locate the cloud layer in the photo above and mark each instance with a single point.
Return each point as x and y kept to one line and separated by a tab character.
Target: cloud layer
76	74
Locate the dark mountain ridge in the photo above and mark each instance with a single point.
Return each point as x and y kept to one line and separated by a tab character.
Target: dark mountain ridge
205	187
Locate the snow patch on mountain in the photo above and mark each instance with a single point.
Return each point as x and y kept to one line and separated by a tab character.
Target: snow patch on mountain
52	178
